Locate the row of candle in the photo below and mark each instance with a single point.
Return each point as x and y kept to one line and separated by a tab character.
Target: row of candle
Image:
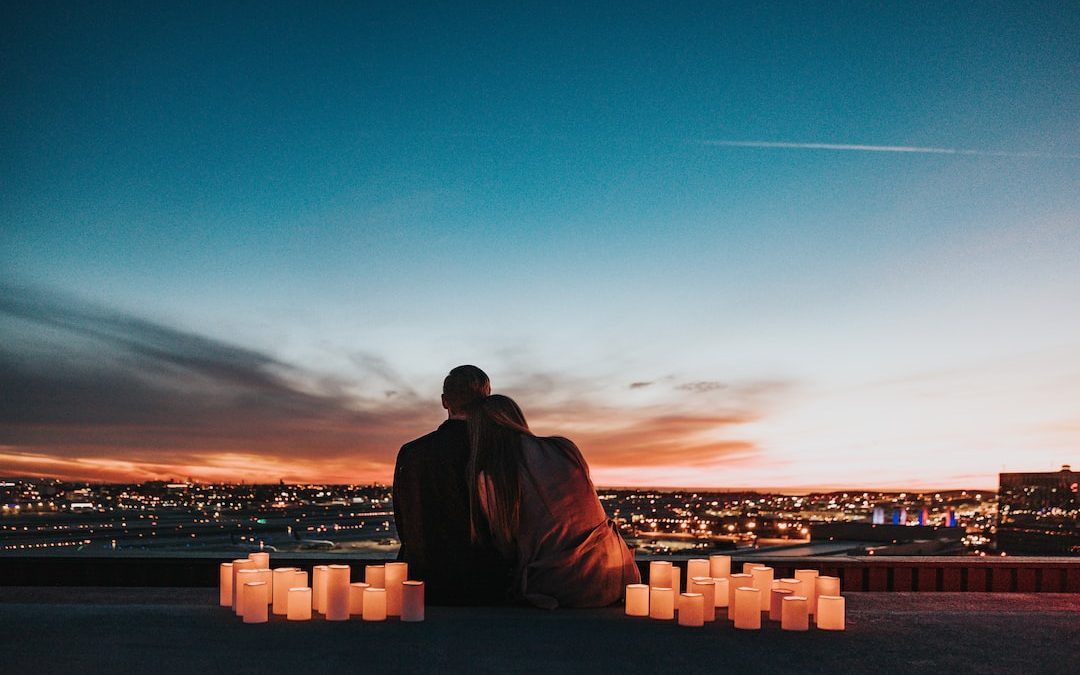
253	591
710	585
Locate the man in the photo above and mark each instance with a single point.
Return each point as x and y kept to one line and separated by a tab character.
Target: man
431	505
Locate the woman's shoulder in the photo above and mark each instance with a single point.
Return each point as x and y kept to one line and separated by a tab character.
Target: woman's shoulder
559	446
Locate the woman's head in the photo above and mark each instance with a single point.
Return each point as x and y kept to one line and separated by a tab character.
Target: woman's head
496	427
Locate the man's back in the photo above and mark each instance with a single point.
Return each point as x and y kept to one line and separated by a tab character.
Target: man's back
431	508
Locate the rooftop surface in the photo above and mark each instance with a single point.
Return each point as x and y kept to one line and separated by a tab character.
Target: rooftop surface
182	630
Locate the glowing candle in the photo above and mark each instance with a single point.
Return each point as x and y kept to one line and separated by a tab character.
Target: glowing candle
412	601
707	588
225	584
719	566
827	586
318	587
237	565
691	609
374	604
676	584
256	597
261	559
793	614
763	578
698	567
776	602
299	604
299	579
747	608
660	574
244	577
734	581
722	592
375	576
267	576
662	603
809	579
830	612
747	566
793	585
336	587
356	597
637	600
283	581
395	574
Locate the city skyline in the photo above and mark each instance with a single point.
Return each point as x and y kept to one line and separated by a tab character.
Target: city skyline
792	247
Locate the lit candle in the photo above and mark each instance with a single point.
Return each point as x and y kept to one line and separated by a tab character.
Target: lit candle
721	591
299	579
375	576
676	584
237	565
827	586
412	601
261	559
747	566
266	576
299	604
637	600
734	582
698	567
256	597
283	581
793	585
225	584
776	602
793	614
336	587
662	603
719	566
763	578
244	577
395	574
809	579
747	608
374	604
830	614
707	588
318	587
356	597
660	574
691	609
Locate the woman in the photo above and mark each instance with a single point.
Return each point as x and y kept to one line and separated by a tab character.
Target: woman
533	500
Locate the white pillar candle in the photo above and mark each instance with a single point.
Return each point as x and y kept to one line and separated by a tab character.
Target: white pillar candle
266	575
395	575
747	608
375	576
256	594
261	559
719	566
721	591
763	578
734	582
356	597
776	602
793	585
283	581
793	614
299	604
809	579
637	599
299	579
374	604
676	584
318	587
662	603
244	577
827	586
225	584
707	588
660	574
747	566
697	567
336	583
237	565
830	614
412	601
691	609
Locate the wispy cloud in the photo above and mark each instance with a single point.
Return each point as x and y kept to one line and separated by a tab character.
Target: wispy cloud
914	149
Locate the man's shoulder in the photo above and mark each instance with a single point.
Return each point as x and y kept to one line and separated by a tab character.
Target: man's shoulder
433	442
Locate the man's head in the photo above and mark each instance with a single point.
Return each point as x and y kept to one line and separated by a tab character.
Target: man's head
464	386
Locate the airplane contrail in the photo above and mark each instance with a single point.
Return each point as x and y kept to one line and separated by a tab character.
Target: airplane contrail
852	147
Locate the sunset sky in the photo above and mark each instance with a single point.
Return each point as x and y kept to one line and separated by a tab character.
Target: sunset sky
719	245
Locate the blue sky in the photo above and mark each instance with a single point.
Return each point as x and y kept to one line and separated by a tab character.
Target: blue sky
367	194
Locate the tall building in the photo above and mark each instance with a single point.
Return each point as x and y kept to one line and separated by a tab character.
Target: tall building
1039	512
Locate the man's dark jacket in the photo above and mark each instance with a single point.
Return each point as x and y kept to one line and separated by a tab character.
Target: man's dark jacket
431	509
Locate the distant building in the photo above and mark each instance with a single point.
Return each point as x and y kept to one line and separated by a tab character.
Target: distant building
1039	512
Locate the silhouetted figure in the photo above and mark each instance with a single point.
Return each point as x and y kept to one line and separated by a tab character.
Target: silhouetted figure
532	498
431	506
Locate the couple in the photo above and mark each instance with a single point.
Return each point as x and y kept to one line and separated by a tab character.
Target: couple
487	512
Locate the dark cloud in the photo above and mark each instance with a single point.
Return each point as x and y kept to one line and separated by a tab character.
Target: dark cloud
640	385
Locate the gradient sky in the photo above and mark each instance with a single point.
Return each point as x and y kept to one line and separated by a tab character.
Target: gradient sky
715	244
